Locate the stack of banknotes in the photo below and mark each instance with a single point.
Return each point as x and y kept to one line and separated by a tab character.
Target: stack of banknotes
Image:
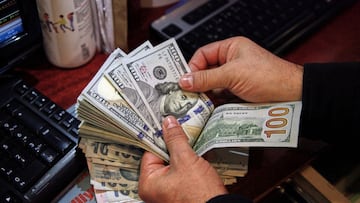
123	106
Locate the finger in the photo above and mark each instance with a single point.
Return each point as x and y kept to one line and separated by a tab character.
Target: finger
204	57
210	55
202	81
176	140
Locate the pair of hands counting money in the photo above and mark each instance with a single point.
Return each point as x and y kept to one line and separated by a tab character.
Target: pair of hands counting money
126	103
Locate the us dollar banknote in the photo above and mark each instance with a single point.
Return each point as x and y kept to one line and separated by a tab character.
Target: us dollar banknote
127	178
117	196
251	125
155	75
113	154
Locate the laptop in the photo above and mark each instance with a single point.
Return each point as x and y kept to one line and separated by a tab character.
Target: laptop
38	139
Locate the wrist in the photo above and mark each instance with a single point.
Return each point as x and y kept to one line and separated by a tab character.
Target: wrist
298	82
292	83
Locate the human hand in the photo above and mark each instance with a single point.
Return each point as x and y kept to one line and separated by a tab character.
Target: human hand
246	70
188	177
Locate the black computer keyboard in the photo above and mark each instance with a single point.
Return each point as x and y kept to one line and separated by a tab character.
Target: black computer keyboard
274	24
38	144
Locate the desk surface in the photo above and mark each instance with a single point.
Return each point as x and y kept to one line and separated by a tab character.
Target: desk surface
336	41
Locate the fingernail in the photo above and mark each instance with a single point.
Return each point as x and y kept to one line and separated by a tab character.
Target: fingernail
170	122
187	81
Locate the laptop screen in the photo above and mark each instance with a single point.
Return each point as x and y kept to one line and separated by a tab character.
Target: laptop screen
20	32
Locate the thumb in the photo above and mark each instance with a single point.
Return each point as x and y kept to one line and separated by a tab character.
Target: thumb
204	80
176	140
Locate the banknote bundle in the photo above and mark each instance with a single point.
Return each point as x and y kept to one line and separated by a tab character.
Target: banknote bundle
123	106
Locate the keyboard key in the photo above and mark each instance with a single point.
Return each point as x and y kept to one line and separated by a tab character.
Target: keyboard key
9	126
172	30
21	88
23	136
70	122
32	95
28	118
40	102
9	197
22	158
7	168
36	145
55	139
49	108
59	115
11	106
49	156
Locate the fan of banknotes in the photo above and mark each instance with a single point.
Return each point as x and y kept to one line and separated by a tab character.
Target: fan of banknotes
123	106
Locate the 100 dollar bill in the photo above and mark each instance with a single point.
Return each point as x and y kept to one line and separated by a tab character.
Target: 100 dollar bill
251	125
